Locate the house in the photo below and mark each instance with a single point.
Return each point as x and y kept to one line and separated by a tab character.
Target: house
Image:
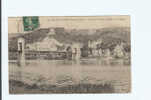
119	50
47	43
76	50
93	46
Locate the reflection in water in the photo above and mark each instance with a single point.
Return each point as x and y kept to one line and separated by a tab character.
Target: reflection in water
61	72
87	62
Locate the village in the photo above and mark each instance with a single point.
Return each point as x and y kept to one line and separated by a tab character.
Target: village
67	63
46	56
50	48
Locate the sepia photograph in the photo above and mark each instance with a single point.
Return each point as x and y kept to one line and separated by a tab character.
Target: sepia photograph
69	54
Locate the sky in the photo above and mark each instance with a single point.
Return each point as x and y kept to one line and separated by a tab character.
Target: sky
81	22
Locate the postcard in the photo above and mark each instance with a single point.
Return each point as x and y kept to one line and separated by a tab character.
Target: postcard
69	54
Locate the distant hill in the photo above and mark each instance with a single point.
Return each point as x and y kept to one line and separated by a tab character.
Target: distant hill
122	33
64	36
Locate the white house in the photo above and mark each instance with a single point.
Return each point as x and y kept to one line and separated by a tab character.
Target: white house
118	51
93	45
49	43
76	50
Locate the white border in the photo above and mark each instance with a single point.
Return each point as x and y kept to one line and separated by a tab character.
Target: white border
140	39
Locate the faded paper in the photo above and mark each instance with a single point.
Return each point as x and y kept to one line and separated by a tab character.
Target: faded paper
69	54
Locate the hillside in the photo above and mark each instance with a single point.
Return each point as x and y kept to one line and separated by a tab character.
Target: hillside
108	35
